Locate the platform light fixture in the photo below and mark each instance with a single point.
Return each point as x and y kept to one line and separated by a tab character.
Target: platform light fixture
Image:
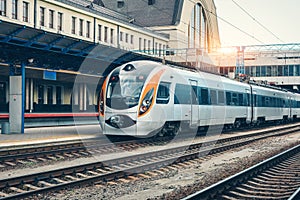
30	60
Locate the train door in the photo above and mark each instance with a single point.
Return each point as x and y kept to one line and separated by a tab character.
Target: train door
249	108
194	103
291	100
254	106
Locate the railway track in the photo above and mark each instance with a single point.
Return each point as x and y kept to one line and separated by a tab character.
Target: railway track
69	150
118	169
58	151
275	178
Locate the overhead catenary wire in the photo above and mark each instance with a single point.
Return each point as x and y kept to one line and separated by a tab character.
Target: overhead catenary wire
229	23
254	19
224	20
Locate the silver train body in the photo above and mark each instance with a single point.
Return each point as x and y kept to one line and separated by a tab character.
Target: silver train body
144	98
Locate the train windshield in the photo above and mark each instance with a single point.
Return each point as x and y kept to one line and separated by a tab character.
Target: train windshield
125	87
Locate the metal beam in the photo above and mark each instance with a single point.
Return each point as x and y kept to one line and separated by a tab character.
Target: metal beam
23	97
68	48
51	44
13	34
86	50
35	38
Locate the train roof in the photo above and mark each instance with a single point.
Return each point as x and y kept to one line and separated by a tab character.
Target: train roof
214	80
208	76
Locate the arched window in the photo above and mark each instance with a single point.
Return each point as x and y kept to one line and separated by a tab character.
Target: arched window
197	26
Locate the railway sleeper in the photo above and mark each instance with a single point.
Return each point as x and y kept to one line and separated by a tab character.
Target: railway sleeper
276	189
93	173
280	176
21	162
81	175
15	189
31	187
294	172
263	180
72	178
12	164
2	194
239	195
266	193
266	185
44	184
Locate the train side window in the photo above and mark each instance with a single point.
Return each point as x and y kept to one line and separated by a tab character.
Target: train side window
234	99
267	102
228	98
281	102
273	101
204	96
163	93
221	99
278	102
199	95
271	104
182	94
213	97
241	100
248	100
194	95
263	101
295	103
259	101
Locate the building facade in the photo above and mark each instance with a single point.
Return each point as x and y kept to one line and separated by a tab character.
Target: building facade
277	64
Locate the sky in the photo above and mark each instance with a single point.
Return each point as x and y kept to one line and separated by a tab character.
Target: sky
280	17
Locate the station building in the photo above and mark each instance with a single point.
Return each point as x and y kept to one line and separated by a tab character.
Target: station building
274	64
62	49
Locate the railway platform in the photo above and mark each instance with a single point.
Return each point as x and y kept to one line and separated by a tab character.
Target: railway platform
42	135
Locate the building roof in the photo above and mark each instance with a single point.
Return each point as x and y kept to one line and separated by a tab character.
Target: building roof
160	13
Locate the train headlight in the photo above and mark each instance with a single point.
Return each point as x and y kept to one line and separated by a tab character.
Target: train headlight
146	102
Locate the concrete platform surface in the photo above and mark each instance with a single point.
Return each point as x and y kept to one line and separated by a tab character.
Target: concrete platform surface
50	134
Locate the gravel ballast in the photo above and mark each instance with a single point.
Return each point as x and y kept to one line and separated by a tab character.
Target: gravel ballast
176	184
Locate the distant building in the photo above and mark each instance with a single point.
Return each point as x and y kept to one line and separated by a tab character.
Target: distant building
277	64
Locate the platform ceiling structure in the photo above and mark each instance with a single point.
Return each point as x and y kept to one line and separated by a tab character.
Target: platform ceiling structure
58	52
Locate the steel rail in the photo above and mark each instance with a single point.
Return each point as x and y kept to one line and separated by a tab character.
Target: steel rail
83	147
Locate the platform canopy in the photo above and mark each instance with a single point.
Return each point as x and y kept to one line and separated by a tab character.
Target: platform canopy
55	51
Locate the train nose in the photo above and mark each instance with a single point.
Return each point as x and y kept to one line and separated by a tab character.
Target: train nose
120	121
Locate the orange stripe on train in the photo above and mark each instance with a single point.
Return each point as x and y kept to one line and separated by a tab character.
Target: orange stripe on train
153	83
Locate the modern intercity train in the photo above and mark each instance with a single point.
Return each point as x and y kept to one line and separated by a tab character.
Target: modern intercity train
146	98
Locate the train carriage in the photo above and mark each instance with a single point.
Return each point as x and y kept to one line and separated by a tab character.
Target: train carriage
295	106
144	98
270	104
